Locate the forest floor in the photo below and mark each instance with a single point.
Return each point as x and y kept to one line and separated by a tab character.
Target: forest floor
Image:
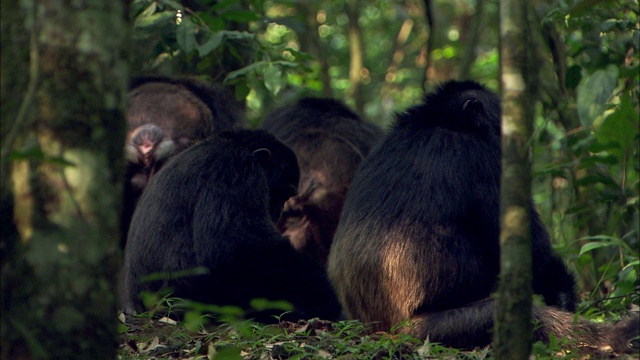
164	338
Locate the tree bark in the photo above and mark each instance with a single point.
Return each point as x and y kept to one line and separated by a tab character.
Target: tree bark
470	49
313	45
64	157
428	13
356	55
513	326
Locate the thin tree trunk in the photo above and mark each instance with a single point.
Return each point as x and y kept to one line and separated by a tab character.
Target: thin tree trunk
356	55
428	12
396	58
312	44
65	159
470	49
513	326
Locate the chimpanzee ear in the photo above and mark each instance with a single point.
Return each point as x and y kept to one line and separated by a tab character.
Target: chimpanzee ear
472	106
263	155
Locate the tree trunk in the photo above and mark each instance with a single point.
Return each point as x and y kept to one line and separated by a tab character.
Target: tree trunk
62	161
314	46
513	326
472	41
356	55
428	14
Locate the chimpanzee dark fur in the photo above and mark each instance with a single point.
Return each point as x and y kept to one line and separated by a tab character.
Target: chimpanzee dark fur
330	141
418	239
214	206
165	116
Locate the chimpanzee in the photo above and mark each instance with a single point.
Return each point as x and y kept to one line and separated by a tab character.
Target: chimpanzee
418	239
214	206
165	116
330	141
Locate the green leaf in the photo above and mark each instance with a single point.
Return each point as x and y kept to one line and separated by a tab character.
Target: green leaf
186	35
211	44
596	179
193	320
138	8
593	93
155	19
244	71
230	353
273	79
595	245
620	127
261	304
242	91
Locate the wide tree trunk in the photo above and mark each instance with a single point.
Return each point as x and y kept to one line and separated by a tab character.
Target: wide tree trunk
63	135
513	326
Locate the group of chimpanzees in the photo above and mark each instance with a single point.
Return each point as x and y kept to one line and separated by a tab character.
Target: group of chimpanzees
238	214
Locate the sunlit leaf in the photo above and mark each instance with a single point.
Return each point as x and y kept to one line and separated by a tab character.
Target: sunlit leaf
595	245
211	44
300	55
621	126
155	19
593	93
138	8
273	79
186	36
264	304
244	71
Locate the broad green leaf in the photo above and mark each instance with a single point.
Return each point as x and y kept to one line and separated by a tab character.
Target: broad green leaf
633	263
138	8
242	91
596	179
300	55
155	19
211	44
273	79
593	93
621	126
186	35
244	71
595	245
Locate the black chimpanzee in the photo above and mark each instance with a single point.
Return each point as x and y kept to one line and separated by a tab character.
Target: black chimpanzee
165	116
213	206
330	141
418	238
